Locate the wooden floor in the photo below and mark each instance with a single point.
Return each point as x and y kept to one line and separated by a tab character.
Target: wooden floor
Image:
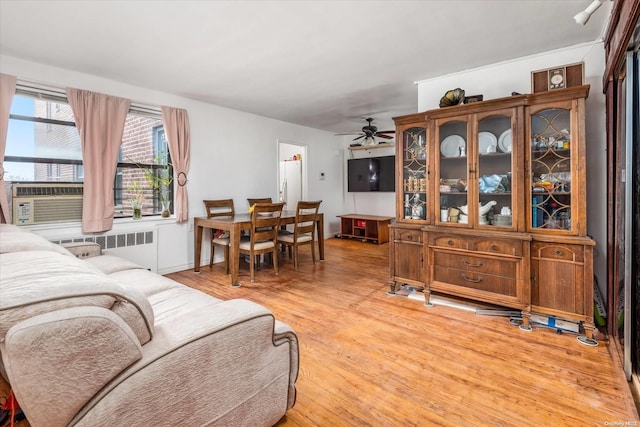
369	359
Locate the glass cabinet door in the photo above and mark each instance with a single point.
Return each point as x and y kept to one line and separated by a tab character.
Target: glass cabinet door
414	173
452	172
494	170
550	166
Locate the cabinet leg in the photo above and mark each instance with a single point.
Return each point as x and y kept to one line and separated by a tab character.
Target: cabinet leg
393	287
427	297
587	338
525	325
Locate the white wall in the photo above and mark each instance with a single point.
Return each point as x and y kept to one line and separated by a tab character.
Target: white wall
499	80
233	154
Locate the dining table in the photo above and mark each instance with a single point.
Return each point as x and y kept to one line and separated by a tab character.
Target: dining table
235	225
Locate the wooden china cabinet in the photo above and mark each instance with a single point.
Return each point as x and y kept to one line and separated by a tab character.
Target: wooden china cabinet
406	248
491	205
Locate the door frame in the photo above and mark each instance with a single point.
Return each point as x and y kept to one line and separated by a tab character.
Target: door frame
301	149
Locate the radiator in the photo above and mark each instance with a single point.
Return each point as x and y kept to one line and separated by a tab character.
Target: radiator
137	245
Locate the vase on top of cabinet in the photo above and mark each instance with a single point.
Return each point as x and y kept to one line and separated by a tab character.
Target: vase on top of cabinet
406	249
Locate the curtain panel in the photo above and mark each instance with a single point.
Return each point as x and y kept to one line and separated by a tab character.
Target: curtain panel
100	122
7	91
176	128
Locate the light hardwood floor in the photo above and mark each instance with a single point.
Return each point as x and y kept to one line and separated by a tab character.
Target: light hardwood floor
369	359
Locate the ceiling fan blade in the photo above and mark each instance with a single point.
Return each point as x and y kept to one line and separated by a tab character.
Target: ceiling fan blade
351	133
386	131
384	136
361	136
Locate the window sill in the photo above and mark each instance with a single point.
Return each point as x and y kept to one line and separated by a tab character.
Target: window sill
119	224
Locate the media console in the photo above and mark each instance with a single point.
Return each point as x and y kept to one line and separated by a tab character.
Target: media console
365	227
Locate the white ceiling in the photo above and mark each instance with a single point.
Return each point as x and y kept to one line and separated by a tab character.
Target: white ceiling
323	64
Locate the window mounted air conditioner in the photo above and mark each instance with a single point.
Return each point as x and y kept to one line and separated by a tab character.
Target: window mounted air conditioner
35	203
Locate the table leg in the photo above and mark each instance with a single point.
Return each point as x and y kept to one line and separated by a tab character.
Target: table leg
234	254
320	233
197	241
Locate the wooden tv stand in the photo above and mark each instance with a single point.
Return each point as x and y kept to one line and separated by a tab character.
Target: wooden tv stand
365	227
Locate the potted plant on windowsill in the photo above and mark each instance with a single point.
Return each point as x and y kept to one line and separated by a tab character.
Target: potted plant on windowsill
159	180
137	199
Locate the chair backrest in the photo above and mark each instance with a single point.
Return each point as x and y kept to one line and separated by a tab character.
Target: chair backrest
223	207
306	214
265	220
253	201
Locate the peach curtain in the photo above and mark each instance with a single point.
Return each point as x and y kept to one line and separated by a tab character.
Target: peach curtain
176	128
7	90
100	122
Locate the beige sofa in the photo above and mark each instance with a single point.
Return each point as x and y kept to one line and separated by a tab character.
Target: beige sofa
90	339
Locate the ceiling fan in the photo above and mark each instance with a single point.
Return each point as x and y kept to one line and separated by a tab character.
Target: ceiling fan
369	133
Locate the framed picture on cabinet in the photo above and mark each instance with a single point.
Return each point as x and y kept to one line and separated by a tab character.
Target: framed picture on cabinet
560	77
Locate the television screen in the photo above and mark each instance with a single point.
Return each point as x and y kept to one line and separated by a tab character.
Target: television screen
371	174
387	168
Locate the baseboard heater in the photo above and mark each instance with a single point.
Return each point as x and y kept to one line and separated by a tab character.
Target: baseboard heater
138	246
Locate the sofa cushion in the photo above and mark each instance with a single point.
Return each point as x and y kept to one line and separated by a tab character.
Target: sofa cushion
83	250
19	241
63	281
109	264
145	281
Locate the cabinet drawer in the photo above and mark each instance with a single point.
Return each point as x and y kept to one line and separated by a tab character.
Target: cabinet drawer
556	251
497	267
498	246
478	281
408	235
450	241
478	244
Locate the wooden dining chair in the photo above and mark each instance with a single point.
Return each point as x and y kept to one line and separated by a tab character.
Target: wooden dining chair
215	208
253	201
265	221
304	230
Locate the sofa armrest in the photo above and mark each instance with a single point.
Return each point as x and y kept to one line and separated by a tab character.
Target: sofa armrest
58	360
222	363
83	249
283	334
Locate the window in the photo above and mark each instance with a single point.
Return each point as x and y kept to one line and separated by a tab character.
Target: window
44	146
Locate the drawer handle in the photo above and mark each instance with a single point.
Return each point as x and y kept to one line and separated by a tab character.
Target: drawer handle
468	279
465	262
410	237
495	248
557	252
450	242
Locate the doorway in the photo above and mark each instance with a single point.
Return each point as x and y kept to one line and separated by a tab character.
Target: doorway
292	173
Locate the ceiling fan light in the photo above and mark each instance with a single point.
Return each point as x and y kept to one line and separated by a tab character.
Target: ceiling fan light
369	140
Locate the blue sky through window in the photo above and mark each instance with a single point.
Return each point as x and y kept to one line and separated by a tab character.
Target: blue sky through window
20	141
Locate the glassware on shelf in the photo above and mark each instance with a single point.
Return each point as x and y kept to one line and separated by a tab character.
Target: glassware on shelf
414	176
550	167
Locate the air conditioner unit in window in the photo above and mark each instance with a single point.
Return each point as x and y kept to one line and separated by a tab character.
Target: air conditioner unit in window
35	203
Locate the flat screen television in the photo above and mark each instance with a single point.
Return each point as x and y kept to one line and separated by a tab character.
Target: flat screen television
371	174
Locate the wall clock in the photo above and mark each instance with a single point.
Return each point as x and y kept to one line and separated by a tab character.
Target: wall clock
556	79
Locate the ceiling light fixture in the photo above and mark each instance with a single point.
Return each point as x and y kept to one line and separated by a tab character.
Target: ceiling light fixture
582	17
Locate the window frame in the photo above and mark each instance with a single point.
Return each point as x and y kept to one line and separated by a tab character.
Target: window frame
54	98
